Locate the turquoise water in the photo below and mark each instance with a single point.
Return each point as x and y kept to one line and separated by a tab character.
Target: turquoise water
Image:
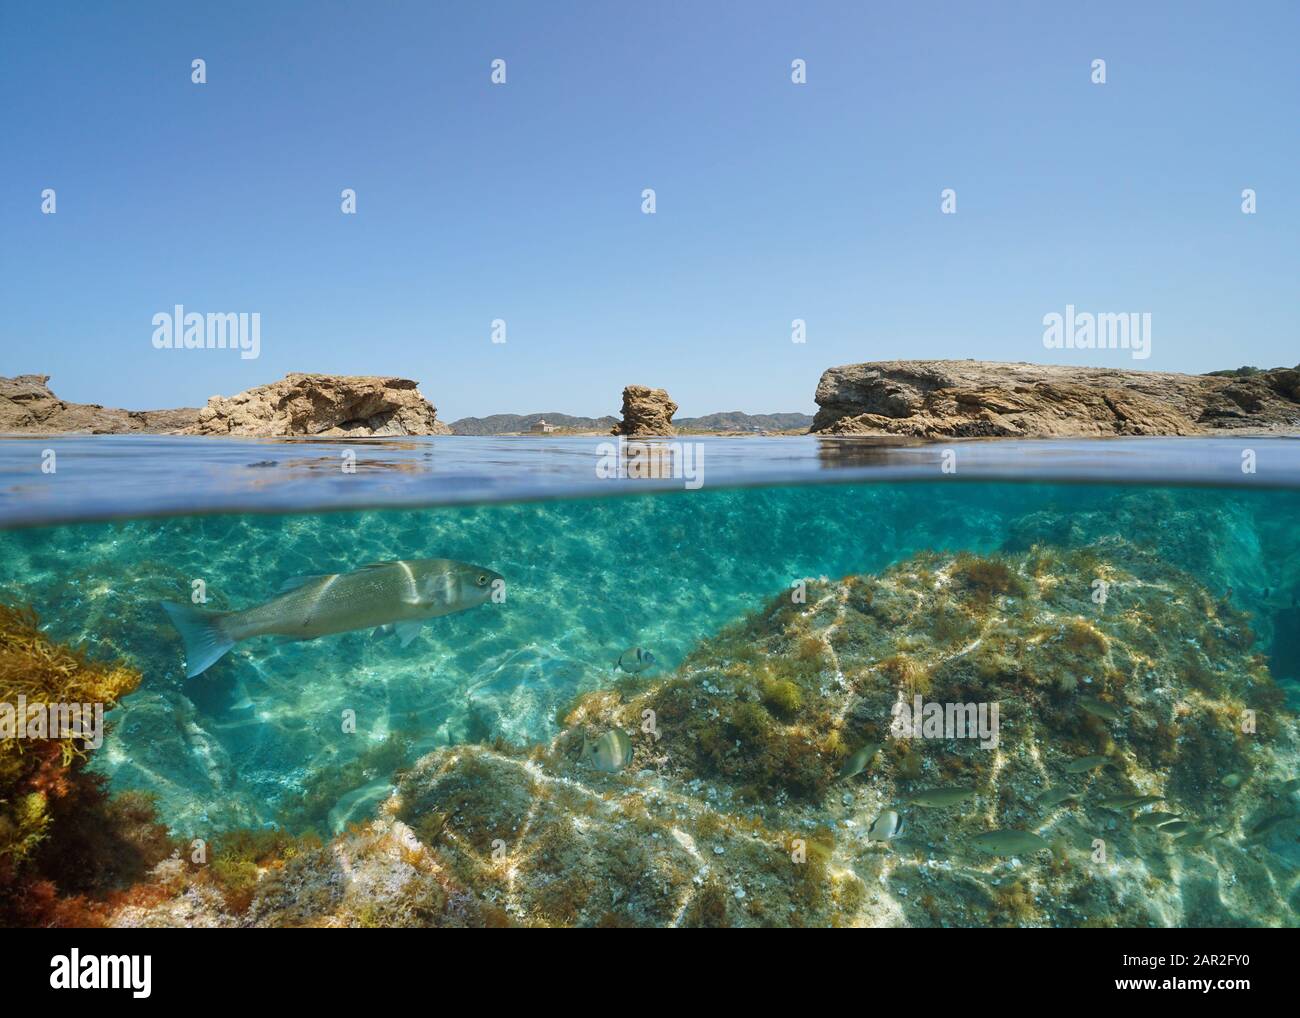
586	579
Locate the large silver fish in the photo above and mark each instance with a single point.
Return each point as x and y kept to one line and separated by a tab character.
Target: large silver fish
401	594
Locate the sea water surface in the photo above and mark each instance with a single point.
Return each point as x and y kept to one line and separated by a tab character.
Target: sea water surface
63	478
593	566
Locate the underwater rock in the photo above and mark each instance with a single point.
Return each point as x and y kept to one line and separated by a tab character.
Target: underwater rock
1230	548
370	876
28	405
732	811
175	758
322	405
517	697
976	399
733	795
646	413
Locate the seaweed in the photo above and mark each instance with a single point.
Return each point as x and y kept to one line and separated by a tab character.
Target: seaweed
65	844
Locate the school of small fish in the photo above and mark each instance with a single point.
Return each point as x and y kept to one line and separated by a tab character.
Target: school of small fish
1143	815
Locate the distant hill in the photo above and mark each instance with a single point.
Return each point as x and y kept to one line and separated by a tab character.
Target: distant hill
737	420
732	420
505	424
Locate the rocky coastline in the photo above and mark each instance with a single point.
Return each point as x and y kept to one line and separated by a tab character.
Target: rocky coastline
921	399
985	399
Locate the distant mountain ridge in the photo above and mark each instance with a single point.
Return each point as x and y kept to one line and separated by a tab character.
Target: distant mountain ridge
730	420
738	420
505	424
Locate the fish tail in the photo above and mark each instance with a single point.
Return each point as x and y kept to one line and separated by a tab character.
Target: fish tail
205	637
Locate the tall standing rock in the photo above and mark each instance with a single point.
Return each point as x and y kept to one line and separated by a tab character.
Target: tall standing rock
646	413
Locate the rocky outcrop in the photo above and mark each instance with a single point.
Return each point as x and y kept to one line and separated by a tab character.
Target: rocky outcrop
299	404
322	405
646	413
28	405
972	399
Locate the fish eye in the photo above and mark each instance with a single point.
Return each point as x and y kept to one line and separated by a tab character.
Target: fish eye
482	580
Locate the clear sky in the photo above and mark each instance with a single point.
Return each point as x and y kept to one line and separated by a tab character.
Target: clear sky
522	201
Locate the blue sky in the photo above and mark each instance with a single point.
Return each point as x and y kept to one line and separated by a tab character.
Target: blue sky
523	202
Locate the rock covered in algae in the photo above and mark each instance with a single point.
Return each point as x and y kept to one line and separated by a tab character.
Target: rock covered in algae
733	812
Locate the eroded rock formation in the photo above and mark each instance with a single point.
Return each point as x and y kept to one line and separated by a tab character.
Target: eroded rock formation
323	405
646	413
971	399
299	404
28	405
